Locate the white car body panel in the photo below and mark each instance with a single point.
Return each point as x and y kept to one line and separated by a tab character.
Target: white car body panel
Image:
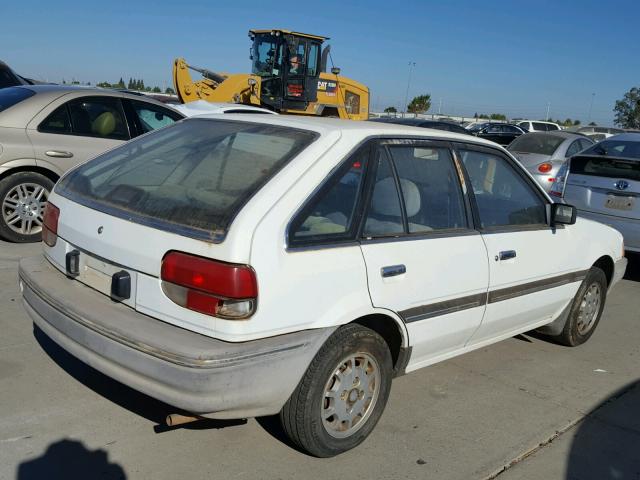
332	282
433	275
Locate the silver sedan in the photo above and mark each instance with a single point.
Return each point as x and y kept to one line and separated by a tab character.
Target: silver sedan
542	153
47	129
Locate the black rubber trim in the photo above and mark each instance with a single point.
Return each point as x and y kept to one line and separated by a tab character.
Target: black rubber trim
537	286
446	307
443	308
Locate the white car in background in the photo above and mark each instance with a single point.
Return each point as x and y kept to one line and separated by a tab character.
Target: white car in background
202	107
295	265
538	126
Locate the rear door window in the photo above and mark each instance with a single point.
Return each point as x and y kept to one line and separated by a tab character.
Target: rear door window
98	117
573	148
192	177
430	188
539	127
58	121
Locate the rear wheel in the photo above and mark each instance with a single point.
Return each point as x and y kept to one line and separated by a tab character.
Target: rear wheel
586	309
342	394
23	196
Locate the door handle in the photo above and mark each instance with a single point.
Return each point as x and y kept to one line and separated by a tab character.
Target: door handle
393	270
506	255
58	154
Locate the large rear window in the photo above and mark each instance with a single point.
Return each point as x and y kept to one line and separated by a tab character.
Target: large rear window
191	177
615	148
540	143
13	95
606	167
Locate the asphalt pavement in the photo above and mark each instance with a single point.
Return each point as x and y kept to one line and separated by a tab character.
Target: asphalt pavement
524	408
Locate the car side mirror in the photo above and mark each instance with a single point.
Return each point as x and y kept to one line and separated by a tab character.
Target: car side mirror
563	214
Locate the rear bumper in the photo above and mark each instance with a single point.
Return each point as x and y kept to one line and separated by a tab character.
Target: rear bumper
628	227
190	371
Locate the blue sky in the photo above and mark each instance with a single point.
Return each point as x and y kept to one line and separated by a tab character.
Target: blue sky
473	56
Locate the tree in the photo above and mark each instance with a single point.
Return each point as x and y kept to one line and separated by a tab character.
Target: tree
156	90
497	116
567	123
628	109
169	91
130	84
592	124
390	110
576	123
104	85
120	84
420	104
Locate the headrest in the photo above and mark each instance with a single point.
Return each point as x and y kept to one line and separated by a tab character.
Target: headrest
104	124
385	198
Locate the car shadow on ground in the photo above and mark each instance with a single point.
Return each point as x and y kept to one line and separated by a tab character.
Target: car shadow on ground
633	267
607	442
124	396
68	459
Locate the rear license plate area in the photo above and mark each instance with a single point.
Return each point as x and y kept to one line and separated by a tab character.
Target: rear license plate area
99	275
619	202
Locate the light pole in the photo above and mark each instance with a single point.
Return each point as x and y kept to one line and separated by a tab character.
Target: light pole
406	96
548	106
593	96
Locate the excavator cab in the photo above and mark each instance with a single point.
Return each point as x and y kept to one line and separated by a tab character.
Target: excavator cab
289	65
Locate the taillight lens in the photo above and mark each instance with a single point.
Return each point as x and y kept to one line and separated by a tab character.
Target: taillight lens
545	167
50	224
207	286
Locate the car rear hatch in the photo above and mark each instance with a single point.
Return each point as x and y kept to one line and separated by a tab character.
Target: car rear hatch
175	190
605	185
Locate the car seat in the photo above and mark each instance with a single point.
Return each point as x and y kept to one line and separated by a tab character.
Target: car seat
104	124
385	216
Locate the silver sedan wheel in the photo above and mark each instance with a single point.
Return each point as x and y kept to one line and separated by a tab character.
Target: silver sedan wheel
23	208
350	395
589	308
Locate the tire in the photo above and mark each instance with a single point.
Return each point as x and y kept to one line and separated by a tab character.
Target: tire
23	196
586	309
306	417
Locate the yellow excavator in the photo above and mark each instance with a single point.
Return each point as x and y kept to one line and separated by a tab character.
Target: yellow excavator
288	75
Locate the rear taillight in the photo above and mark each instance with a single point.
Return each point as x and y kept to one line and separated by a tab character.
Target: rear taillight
50	224
207	286
545	167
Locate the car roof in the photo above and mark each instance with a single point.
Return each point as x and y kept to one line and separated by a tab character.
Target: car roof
410	121
559	133
201	107
626	137
19	115
361	129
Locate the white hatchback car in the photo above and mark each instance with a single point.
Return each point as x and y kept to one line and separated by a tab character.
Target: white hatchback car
255	264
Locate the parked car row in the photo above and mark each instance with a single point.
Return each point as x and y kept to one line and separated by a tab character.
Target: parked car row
603	182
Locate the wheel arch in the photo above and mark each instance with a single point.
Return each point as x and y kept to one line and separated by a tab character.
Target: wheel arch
394	334
54	177
605	263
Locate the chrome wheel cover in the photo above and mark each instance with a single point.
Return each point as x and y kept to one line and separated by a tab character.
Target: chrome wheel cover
23	208
350	395
589	308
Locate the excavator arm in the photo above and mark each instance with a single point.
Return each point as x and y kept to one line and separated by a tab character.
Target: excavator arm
214	87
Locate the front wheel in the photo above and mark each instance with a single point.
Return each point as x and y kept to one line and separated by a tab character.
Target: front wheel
586	309
23	196
342	395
